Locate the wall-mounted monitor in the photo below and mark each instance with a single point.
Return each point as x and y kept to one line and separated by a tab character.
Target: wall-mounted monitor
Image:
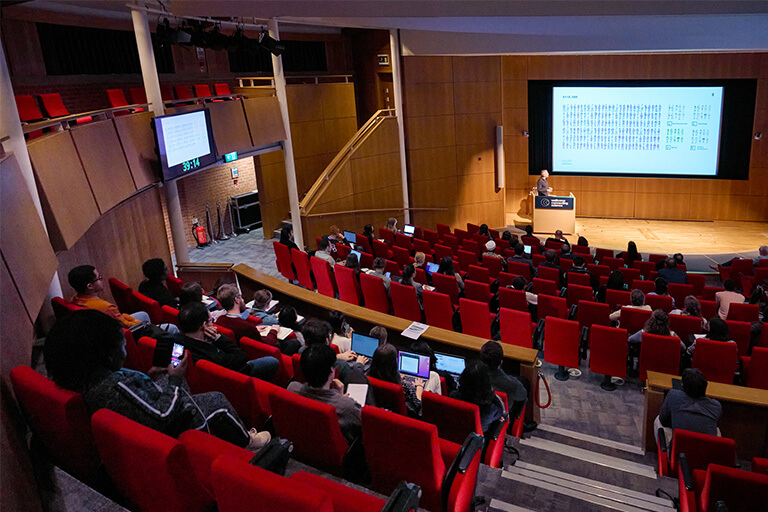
184	143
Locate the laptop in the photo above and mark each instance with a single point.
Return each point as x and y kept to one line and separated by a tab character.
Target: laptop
364	345
527	249
412	366
451	364
409	230
356	253
350	237
432	267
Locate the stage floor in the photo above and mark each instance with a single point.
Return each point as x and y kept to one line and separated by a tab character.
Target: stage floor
706	243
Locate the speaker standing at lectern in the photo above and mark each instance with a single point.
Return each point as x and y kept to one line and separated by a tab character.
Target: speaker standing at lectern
542	187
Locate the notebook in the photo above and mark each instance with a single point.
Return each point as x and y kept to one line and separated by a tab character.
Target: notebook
412	366
432	267
364	345
409	230
350	237
450	363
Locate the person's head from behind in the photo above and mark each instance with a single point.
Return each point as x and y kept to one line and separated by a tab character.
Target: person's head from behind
582	242
518	283
419	259
549	255
82	347
615	281
632	248
317	332
407	275
446	266
384	364
559	233
391	223
692	306
519	249
261	299
286	234
490	246
718	330
288	317
475	383
492	354
324	245
155	270
337	320
658	323
506	235
84	279
229	296
379	332
694	383
637	297
578	261
763	250
422	348
352	261
379	264
368	230
528	230
729	285
317	362
670	263
190	292
483	229
193	317
661	286
678	258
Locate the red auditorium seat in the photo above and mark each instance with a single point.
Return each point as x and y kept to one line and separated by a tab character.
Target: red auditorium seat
388	396
608	349
577	293
760	465
599	270
741	266
174	284
679	292
363	242
28	110
472	229
755	368
516	327
452	242
612	263
644	286
742	491
550	274
744	312
592	313
659	302
303	269
550	306
617	298
717	360
256	349
149	468
580	249
442	251
349	286
533	242
630	274
565	264
405	302
138	94
701	450
400	448
438	309
170	315
401	256
480	291
283	261
387	235
741	333
59	420
442	230
202	91
123	295
431	236
520	269
467	259
149	306
545	287
424	246
203	448
708	308
578	278
54	107
182	92
659	354
221	89
505	279
645	268
697	281
117	99
374	293
513	299
326	281
478	273
447	285
381	249
460	234
146	353
475	318
653	258
561	344
684	326
474	247
62	307
404	241
601	254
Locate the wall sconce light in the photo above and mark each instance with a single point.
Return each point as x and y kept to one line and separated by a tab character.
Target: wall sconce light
525	133
758	136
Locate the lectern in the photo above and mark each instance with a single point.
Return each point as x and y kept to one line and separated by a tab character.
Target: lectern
551	213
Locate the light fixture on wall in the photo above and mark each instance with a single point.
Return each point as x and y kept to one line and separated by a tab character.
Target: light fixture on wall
758	136
525	133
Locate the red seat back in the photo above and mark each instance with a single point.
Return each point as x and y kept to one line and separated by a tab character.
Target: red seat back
150	306
405	302
62	308
744	312
680	291
53	105
431	236
475	319
452	242
505	279
617	298
171	316
580	249
137	94
404	241
630	274
123	295
388	396
221	89
202	90
460	234
59	420
659	302
685	325
151	469
326	282
374	293
742	491
454	419
494	265
659	354
442	230
146	353
578	293
363	242
480	291
438	309
545	287
421	276
467	259
304	421
303	269
633	319
422	246
756	368
697	281
561	342
348	285
515	327
701	450
717	360
442	251
401	255
551	306
182	92
548	273
283	261
116	98
612	263
740	333
381	249
174	284
644	286
601	254
578	278
593	313
608	351
203	448
472	246
708	308
256	349
599	270
519	268
387	235
446	284
645	268
741	266
28	110
513	299
478	273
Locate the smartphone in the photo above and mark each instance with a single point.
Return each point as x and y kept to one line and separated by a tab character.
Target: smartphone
176	354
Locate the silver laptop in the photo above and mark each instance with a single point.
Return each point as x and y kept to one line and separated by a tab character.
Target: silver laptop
412	366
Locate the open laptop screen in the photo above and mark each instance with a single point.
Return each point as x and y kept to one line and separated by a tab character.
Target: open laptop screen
432	267
413	364
409	230
528	249
356	253
350	237
448	363
364	345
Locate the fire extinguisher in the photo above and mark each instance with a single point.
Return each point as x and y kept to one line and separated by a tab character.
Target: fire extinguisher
199	233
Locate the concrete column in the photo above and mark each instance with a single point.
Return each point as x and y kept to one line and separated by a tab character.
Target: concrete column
394	45
290	167
10	125
154	96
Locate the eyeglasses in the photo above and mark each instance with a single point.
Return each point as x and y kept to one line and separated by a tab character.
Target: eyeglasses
98	278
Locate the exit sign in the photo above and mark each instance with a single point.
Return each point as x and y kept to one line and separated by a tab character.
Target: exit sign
230	157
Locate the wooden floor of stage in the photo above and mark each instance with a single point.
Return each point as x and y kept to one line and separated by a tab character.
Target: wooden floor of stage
661	236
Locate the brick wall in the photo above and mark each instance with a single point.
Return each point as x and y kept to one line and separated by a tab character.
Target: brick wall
209	186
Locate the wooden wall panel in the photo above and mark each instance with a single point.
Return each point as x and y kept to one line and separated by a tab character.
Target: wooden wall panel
476	97
138	141
554	67
273	190
515	93
477	128
338	100
476	188
430	132
385	197
370	172
380	141
305	103
516	175
430	163
475	159
230	131
436	193
265	122
417	70
308	138
428	99
105	165
475	69
337	133
514	67
67	199
661	206
24	245
515	147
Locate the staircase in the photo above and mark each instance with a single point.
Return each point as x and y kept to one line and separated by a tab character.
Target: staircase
565	471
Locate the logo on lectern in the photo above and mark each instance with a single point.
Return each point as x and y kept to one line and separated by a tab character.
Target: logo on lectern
545	202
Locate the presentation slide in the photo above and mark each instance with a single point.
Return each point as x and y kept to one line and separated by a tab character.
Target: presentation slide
636	130
185	137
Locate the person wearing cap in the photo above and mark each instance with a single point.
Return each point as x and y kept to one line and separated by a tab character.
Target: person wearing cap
490	248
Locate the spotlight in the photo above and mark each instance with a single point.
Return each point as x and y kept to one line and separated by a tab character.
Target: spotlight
184	35
273	45
236	40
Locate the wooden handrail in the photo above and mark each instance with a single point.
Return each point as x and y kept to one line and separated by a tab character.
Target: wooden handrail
341	158
399	209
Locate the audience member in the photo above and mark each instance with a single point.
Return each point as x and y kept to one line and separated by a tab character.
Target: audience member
475	388
342	332
615	282
446	268
678	257
199	336
762	254
353	263
286	237
550	259
580	267
637	299
484	231
380	332
384	367
379	264
528	230
726	297
289	318
492	354
630	255
507	235
658	323
84	352
433	384
490	251
582	242
392	225
558	237
336	236
261	300
319	332
232	301
154	287
717	331
520	257
317	365
324	249
519	283
672	274
689	408
691	307
406	279
661	288
368	233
